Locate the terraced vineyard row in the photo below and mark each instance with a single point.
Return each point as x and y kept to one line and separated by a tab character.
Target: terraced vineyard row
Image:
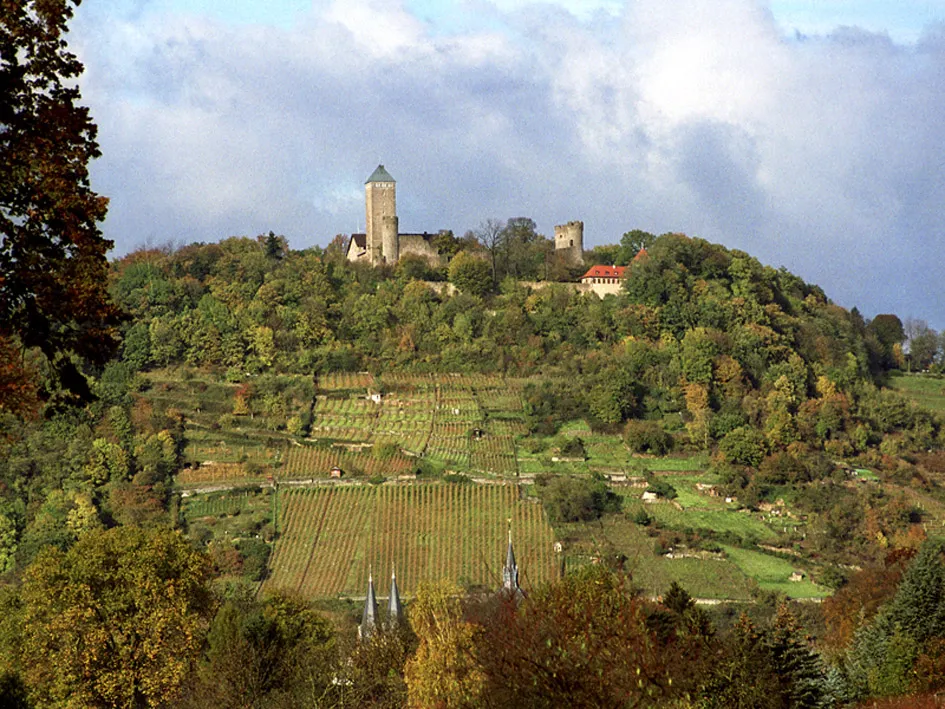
331	538
302	461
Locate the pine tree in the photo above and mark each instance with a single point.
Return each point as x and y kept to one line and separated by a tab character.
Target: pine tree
918	607
800	669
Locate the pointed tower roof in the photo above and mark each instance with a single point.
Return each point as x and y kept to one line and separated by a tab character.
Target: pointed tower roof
369	616
510	570
510	554
395	610
380	175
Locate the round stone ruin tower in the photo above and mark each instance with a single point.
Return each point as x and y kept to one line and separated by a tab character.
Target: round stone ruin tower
569	241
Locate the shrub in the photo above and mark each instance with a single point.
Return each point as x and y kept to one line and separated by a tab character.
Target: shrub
255	554
385	451
663	489
576	499
647	437
574	448
457	478
743	446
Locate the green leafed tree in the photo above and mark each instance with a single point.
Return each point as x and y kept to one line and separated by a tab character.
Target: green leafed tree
117	621
470	274
264	654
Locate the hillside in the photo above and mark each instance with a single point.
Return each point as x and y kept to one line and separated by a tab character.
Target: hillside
717	431
281	365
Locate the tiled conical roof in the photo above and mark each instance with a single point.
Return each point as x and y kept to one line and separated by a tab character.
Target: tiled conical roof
394	608
380	175
510	571
369	616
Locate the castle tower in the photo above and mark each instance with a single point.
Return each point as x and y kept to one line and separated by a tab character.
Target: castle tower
569	242
380	201
390	239
369	616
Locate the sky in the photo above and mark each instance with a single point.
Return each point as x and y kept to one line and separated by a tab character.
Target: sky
808	133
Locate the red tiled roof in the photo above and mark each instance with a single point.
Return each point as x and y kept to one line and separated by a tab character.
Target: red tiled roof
605	272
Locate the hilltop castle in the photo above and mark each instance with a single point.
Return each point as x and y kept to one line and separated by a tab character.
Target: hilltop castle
382	241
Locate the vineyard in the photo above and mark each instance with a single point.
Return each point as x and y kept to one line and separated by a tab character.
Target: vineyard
329	538
368	425
459	421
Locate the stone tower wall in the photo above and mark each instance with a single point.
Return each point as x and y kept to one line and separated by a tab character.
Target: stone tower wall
390	241
569	241
380	202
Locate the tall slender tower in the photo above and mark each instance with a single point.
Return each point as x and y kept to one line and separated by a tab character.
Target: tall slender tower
369	617
395	610
380	200
510	572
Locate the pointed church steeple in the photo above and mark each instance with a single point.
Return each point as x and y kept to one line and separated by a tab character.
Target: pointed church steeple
394	608
369	616
510	570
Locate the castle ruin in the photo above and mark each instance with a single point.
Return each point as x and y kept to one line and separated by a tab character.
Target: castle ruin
382	241
569	242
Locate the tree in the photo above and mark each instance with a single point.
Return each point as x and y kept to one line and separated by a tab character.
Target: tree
470	274
53	268
264	654
745	676
583	641
743	446
491	234
444	671
525	251
889	332
631	243
568	499
116	621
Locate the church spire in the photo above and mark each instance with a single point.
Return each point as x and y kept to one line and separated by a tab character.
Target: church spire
369	616
510	570
394	609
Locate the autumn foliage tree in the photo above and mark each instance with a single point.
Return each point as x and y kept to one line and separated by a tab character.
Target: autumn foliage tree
586	641
52	255
118	620
443	672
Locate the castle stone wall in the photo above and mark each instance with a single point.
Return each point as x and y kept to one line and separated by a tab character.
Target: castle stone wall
419	244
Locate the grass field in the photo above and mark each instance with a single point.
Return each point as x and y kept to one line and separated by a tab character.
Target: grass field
772	573
925	389
331	537
615	534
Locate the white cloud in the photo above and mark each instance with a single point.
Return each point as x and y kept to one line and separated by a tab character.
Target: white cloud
700	116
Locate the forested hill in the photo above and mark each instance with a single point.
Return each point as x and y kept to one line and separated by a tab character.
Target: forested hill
705	340
302	310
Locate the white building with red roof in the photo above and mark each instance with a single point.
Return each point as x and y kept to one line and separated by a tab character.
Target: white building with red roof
604	280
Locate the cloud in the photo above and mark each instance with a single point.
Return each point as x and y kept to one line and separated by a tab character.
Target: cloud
821	154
